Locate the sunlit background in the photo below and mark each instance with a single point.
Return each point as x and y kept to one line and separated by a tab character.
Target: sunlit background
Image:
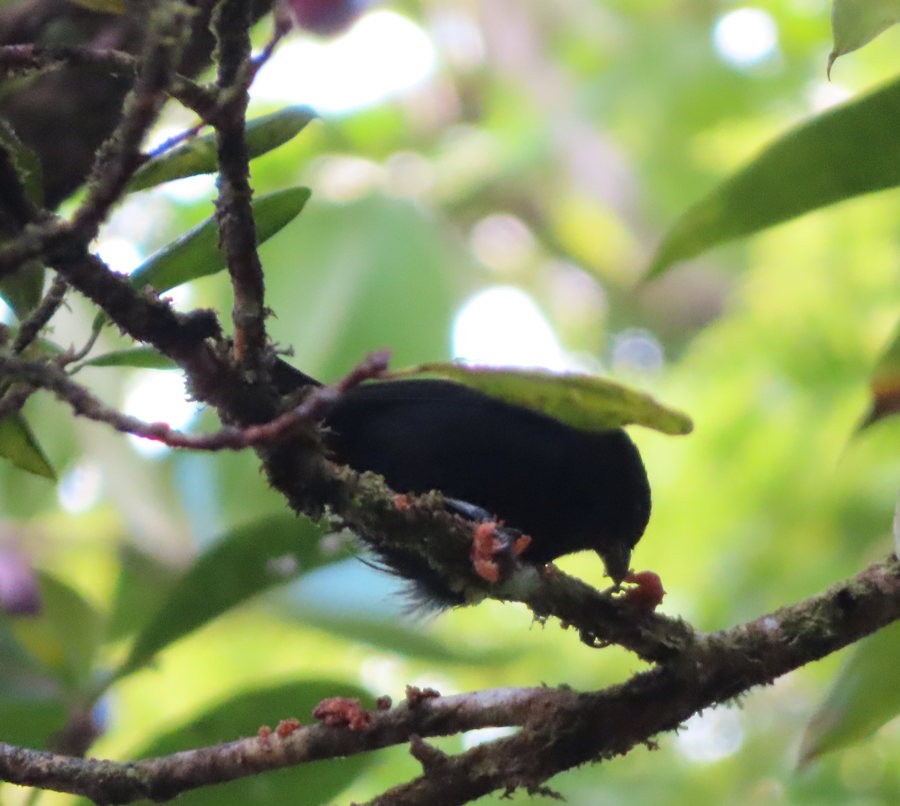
489	181
386	55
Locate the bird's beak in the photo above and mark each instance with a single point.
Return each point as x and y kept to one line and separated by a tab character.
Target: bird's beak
617	559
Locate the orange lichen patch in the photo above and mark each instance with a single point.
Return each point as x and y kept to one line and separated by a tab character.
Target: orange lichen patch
648	592
264	734
342	711
416	695
287	726
401	502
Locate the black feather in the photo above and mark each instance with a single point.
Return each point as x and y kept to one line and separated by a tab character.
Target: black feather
567	489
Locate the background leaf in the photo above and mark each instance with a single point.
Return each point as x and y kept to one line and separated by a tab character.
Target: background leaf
20	446
241	564
31	707
65	637
856	22
582	401
405	639
197	252
141	588
864	697
885	383
30	722
138	357
848	150
198	154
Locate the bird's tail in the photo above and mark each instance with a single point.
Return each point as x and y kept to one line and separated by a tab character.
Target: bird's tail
289	379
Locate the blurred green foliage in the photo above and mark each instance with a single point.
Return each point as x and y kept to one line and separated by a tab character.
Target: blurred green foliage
550	152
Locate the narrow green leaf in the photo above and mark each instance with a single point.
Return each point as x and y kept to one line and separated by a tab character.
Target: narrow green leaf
197	252
141	588
198	155
19	444
864	697
243	715
847	151
141	357
405	639
582	401
242	563
65	637
885	384
856	22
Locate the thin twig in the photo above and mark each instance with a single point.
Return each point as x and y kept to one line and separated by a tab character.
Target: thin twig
120	156
28	57
282	27
33	375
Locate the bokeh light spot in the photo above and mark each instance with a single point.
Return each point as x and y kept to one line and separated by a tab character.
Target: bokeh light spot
745	37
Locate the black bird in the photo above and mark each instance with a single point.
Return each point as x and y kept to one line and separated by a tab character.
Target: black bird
566	488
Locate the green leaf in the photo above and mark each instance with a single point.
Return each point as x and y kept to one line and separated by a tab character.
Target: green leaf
885	384
22	290
351	263
20	446
198	155
31	708
197	252
30	723
856	22
26	162
404	639
582	401
864	697
847	151
65	637
141	357
243	715
244	562
141	588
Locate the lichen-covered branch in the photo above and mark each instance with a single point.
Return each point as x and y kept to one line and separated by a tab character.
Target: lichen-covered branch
557	728
120	156
237	230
